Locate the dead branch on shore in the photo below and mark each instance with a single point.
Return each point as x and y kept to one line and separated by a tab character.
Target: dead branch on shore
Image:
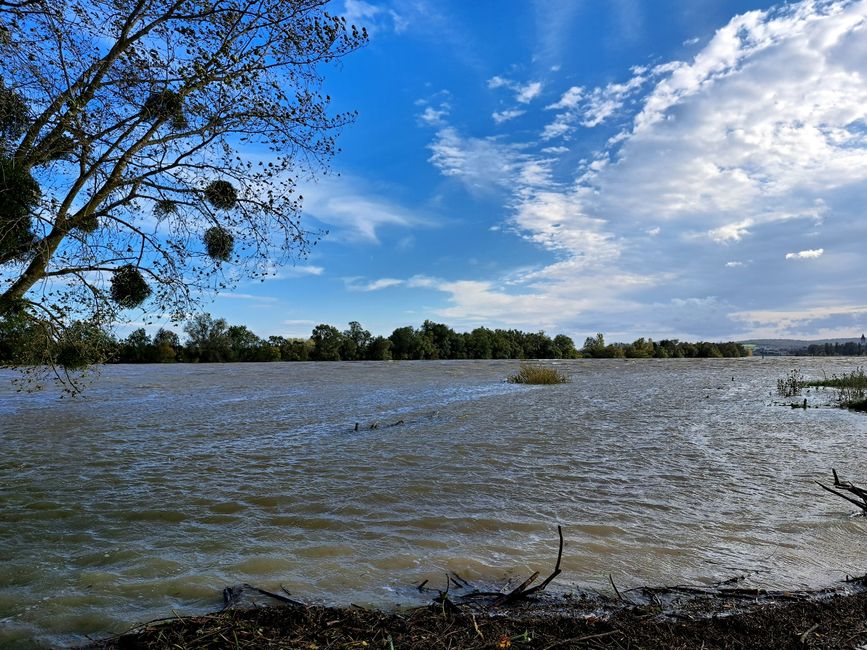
860	492
484	599
233	596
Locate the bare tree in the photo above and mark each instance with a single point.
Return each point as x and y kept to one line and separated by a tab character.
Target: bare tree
131	140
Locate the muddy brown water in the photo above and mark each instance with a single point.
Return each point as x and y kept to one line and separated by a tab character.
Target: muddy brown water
166	483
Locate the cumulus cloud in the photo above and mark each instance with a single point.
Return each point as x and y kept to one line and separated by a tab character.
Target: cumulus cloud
757	142
805	255
590	108
434	116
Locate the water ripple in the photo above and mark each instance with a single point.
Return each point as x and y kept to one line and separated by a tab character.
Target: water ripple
165	483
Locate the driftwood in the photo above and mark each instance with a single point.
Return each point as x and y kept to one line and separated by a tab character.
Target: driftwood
494	598
859	492
233	596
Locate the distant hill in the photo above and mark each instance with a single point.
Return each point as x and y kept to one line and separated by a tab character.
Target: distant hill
789	345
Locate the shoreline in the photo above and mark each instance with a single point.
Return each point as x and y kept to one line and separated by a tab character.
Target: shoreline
685	617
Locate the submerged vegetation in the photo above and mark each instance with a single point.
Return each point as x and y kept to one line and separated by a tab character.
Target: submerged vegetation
535	374
851	387
791	384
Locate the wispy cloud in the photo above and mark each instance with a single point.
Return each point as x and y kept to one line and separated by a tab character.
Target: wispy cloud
247	296
373	17
524	93
355	210
359	284
479	163
505	116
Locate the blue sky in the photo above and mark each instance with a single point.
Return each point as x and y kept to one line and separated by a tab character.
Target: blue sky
667	168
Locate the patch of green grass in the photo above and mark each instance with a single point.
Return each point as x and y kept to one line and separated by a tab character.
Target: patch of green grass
851	388
854	379
534	374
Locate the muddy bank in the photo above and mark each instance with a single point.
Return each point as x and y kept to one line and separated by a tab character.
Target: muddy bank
680	617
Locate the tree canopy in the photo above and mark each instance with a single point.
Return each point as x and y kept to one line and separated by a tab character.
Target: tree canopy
126	127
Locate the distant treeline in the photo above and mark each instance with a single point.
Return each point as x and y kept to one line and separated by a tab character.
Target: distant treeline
213	340
848	349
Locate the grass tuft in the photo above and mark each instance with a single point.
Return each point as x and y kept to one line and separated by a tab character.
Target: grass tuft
533	374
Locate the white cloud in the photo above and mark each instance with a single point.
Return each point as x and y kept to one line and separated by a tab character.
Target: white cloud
592	108
570	99
479	163
758	141
505	116
434	116
306	269
373	17
731	232
274	271
383	283
528	92
354	209
805	255
769	323
360	13
524	93
247	296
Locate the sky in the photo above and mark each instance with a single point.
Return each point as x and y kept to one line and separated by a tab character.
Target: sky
689	169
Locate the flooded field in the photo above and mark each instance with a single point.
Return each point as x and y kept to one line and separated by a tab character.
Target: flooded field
163	484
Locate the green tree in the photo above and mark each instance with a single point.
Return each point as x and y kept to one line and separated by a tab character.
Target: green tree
296	350
327	341
379	349
137	347
243	343
167	344
356	340
565	347
124	130
442	337
640	349
208	339
594	346
403	343
480	343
